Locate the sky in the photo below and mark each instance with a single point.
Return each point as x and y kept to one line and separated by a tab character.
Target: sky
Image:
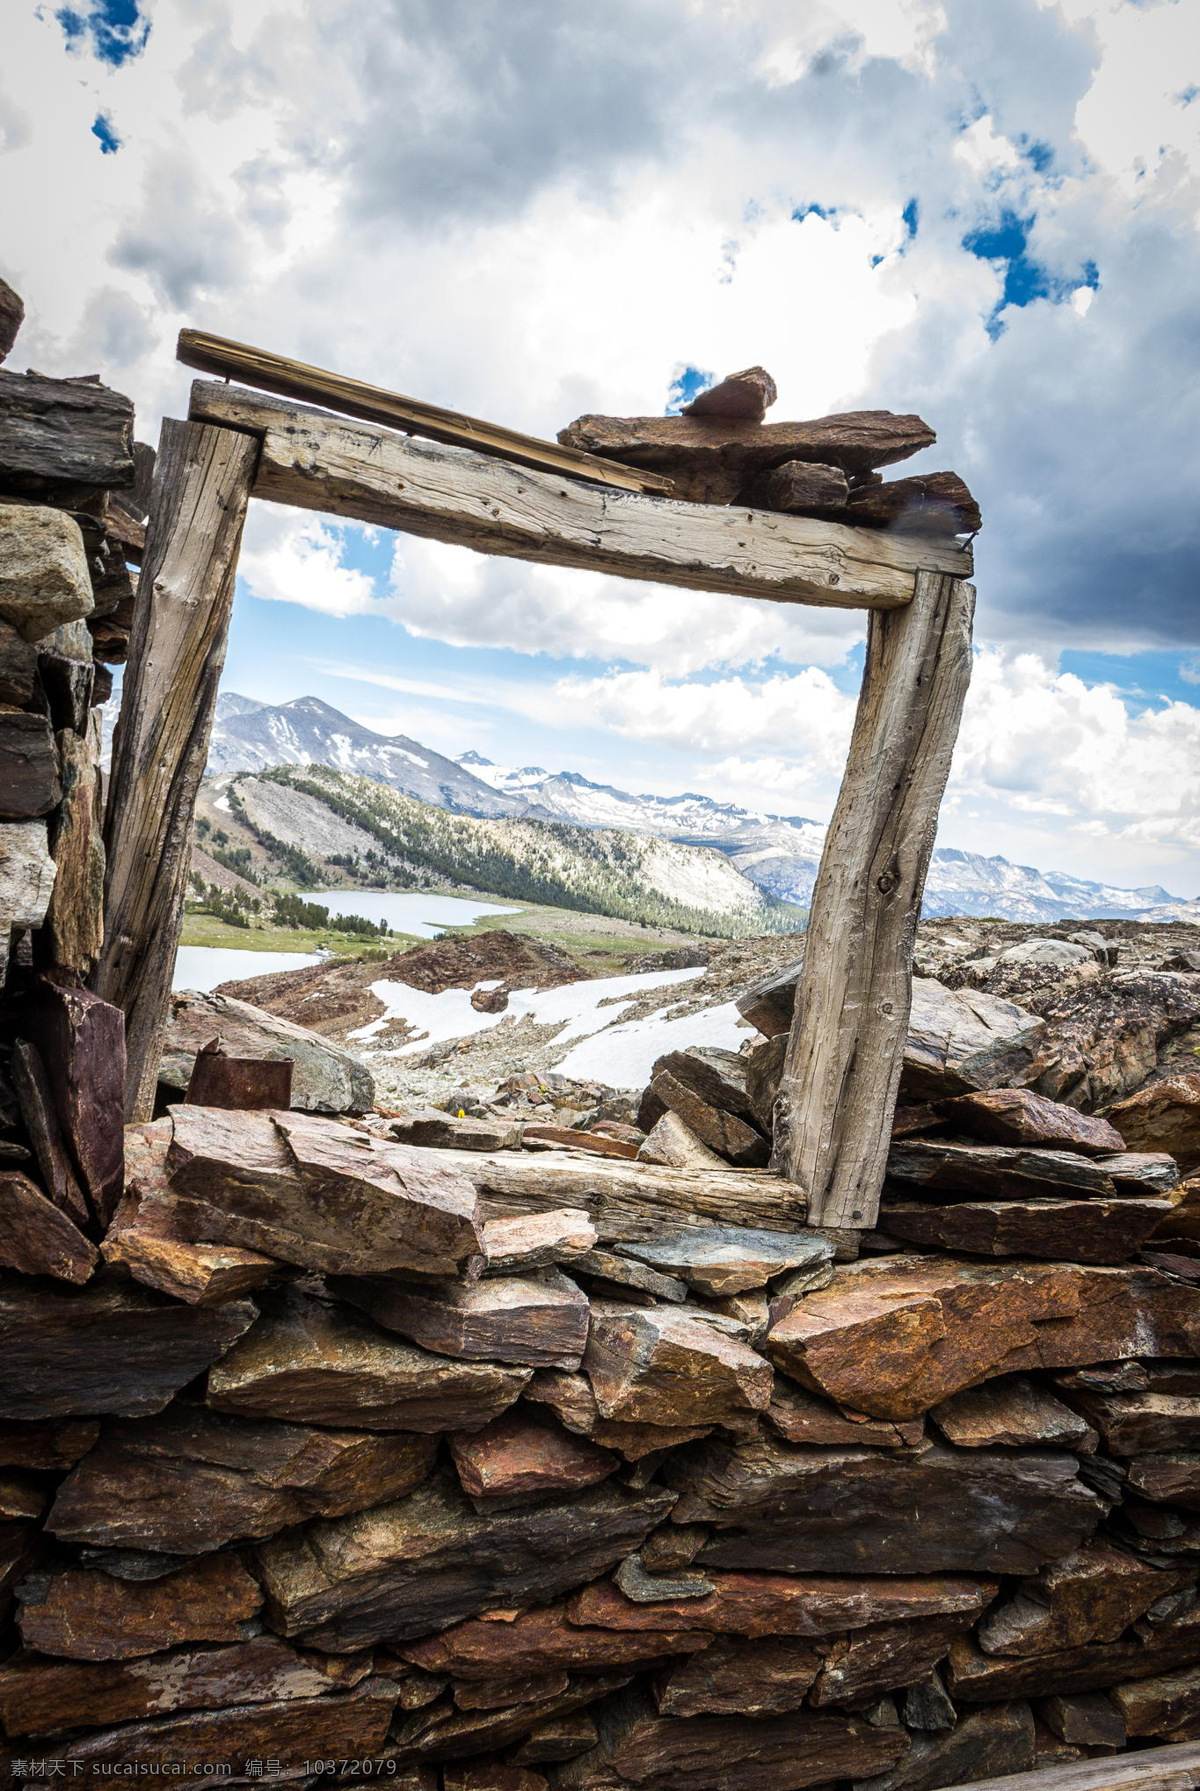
984	211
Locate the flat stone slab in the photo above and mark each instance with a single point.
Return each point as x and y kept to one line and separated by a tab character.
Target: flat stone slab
730	1259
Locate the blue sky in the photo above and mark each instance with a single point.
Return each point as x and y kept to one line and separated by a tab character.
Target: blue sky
981	210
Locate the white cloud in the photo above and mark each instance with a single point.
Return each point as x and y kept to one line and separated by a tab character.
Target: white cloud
290	559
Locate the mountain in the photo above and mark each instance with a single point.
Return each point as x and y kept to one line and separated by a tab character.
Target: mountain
250	736
315	823
777	853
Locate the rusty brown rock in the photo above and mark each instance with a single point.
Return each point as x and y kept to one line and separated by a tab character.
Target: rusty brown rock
431	1559
1013	1411
1093	1231
536	1240
800	488
639	1747
144	1241
21	1497
443	1732
83	1039
490	1775
1019	1116
931	1510
522	1452
1086	1719
671	1142
1092	1595
599	1143
1149	1172
312	1361
1173	1478
985	1744
746	397
939	1167
979	1678
722	1132
310	1191
433	1130
38	1696
501	1694
622	1277
543	1641
353	1725
556	1738
86	1615
1165	1116
892	1338
1168	1704
927	504
737	1677
780	1604
803	1417
658	1366
37	1237
572	1398
715	1076
52	1447
534	1321
192	1480
39	1115
1143	1423
860	1667
71	1352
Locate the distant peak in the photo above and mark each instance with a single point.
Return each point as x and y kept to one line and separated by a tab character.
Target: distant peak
472	758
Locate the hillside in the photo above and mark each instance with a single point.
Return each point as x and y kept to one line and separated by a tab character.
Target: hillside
315	825
778	853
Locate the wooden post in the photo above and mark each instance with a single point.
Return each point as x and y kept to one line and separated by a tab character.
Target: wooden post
844	1056
202	483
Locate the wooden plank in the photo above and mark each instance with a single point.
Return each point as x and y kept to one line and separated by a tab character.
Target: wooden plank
373	404
626	1201
316	462
201	487
852	1007
1175	1768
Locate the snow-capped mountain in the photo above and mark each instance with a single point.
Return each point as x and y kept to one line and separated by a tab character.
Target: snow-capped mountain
779	853
250	736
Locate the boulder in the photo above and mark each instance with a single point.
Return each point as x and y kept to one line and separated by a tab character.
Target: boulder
803	1417
430	1560
984	1744
672	1141
81	1040
12	315
1142	1423
30	776
800	488
1164	1117
311	1361
745	397
537	1240
44	578
1167	1704
26	879
326	1078
193	1480
572	1397
720	1131
1087	1719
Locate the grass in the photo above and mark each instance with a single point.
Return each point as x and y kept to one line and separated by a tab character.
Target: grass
206	929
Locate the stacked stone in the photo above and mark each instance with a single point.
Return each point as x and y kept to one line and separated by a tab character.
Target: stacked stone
337	1456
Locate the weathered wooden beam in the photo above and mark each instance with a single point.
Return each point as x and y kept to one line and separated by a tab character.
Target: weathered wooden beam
202	484
852	1006
318	462
1174	1768
373	404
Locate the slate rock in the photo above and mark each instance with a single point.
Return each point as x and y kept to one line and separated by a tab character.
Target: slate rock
769	1004
660	1366
937	1510
434	1130
442	1732
326	1078
993	1171
81	1040
978	1678
37	1237
523	1452
600	1144
47	1447
38	1695
891	1338
572	1398
312	1361
536	1240
107	1347
192	1480
59	437
533	1321
716	1076
862	1666
1174	1478
800	488
927	504
18	667
1150	1172
144	1241
720	1260
672	1142
985	1744
1168	1704
430	1560
1012	1411
1092	1231
1085	1719
44	578
926	1705
1142	1423
542	1640
351	1725
39	1115
12	315
30	782
1091	1595
556	1738
312	1192
745	396
740	1677
1019	1116
490	1775
639	1747
27	874
622	1277
803	1417
783	1604
82	1615
1164	1116
964	1039
722	1132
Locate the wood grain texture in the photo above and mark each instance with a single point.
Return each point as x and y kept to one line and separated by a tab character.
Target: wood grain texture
314	385
1174	1768
844	1057
201	488
317	462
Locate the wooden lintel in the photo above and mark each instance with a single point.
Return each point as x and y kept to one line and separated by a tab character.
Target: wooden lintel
315	461
1172	1768
373	404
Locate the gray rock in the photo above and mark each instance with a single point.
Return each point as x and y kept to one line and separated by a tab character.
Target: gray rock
327	1078
730	1259
26	879
1056	954
960	1039
44	577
